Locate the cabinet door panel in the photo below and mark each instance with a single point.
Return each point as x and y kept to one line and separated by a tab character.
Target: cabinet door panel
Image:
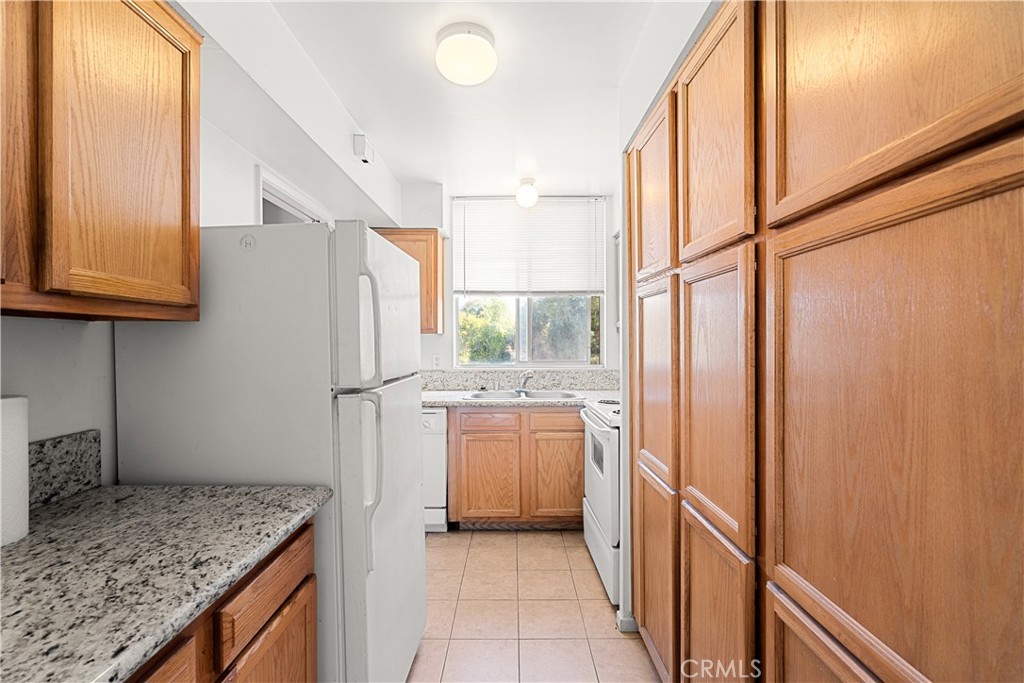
556	478
894	93
180	666
717	606
716	134
426	246
285	650
655	191
656	578
799	650
895	439
489	475
656	387
717	391
119	147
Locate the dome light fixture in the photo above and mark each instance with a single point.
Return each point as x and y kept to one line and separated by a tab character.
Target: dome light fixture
526	194
465	53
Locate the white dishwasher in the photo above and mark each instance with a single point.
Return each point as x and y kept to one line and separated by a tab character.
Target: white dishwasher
435	469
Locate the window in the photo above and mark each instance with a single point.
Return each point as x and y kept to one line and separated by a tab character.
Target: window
529	283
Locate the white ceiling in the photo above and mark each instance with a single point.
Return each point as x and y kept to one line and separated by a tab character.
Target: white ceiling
549	112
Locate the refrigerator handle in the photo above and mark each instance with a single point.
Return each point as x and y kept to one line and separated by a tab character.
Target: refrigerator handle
371	508
364	270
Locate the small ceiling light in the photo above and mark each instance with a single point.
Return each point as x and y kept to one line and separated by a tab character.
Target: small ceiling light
465	53
526	195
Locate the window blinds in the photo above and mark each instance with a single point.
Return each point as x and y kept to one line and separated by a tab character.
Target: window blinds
556	246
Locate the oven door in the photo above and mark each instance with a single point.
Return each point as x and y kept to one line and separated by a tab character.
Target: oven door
601	474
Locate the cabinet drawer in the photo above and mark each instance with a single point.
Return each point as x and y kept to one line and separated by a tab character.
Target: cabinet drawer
556	422
241	617
180	666
488	422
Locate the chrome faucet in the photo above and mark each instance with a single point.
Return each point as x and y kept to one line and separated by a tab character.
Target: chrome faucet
523	379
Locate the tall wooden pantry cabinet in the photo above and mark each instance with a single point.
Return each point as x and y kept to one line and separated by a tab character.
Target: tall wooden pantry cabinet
846	361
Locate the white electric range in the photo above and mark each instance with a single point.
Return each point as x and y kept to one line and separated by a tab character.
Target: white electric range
603	516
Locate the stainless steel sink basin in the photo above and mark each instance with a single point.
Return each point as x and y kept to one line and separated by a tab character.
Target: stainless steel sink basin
549	395
492	395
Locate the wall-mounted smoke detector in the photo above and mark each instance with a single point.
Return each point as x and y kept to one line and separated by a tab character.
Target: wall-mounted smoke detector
363	149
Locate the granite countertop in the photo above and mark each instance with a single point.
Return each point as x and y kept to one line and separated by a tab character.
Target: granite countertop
440	399
109	576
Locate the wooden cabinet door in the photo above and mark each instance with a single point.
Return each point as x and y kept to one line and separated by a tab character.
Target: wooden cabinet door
284	651
716	303
906	83
656	573
119	136
556	474
489	475
654	191
895	436
180	666
800	650
656	387
427	247
717	604
716	134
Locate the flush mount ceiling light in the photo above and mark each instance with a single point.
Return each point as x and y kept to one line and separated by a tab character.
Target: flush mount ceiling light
465	53
526	195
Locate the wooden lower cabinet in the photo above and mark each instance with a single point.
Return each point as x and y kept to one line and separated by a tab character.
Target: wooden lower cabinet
489	466
801	651
262	629
513	465
716	604
285	650
895	435
656	569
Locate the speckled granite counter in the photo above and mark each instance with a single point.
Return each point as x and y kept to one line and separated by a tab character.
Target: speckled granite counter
107	577
441	399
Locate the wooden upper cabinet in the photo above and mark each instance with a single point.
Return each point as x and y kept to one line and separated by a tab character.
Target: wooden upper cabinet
285	649
656	383
716	134
857	93
656	569
717	447
426	246
101	212
799	650
894	429
654	191
717	602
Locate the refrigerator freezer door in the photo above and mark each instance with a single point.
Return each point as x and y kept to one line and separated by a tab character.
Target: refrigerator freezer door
378	308
383	551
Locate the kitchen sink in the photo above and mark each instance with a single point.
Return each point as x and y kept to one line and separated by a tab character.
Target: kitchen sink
549	395
493	395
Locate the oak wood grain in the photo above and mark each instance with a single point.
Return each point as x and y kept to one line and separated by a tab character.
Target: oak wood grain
909	82
894	445
657	611
556	474
426	246
119	152
238	621
285	649
655	185
717	443
716	601
657	387
180	666
490	474
716	134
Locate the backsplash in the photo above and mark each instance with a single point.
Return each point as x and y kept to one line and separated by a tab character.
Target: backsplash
63	466
457	380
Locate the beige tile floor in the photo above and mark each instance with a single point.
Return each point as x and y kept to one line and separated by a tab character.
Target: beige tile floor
521	606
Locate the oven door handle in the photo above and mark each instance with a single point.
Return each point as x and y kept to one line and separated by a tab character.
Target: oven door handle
585	416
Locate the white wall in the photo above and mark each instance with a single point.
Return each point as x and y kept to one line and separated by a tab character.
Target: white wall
228	182
66	368
668	35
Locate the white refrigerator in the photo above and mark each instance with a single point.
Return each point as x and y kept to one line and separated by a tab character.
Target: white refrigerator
304	369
